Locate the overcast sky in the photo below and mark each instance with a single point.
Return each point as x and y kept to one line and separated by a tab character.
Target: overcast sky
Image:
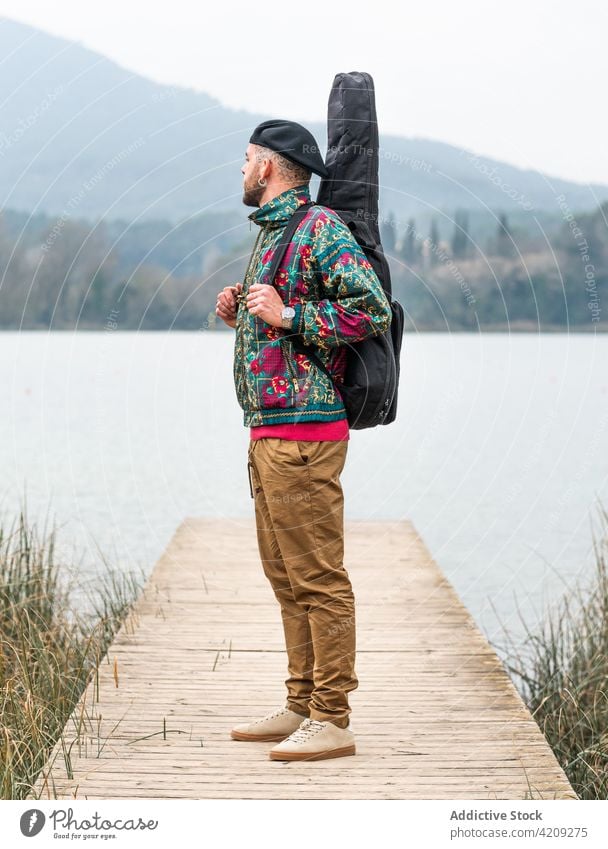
522	81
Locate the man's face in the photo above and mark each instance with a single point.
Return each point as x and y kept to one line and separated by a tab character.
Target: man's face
252	192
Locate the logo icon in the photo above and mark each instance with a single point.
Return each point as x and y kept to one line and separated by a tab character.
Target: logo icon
32	822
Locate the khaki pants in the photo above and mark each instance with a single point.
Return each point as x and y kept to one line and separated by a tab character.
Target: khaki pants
299	511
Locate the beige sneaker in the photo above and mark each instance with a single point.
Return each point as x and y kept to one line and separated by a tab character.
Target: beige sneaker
275	726
315	741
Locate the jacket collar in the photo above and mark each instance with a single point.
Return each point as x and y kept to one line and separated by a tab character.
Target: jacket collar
279	209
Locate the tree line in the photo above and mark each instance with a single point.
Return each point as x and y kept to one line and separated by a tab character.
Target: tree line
60	273
501	275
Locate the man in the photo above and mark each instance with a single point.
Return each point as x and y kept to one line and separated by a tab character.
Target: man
327	295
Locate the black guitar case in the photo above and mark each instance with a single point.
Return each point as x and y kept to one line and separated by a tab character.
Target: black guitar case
351	190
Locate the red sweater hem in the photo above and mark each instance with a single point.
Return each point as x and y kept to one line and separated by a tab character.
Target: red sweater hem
306	431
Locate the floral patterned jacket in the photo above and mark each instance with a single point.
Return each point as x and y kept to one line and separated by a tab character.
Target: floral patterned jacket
338	299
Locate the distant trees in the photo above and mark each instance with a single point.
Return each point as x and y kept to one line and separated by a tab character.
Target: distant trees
504	244
388	234
434	245
460	238
498	275
450	270
409	247
62	273
413	246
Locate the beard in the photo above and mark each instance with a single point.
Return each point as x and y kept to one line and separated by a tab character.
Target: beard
252	193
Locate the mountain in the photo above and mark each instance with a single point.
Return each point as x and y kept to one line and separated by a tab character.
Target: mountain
82	137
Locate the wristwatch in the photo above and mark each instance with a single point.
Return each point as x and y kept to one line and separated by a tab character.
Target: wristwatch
287	317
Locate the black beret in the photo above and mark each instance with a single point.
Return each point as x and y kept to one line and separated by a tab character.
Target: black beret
291	140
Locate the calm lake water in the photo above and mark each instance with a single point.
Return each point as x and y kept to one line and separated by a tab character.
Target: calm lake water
499	455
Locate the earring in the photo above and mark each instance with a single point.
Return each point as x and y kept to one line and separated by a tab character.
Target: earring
261	182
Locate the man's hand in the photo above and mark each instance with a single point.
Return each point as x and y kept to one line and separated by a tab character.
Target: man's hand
265	302
226	304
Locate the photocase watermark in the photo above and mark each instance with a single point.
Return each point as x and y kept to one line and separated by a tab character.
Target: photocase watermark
7	140
94	826
84	190
593	304
497	180
343	625
101	374
210	322
166	93
289	497
32	822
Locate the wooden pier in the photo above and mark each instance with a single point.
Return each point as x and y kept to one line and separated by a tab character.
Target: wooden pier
435	714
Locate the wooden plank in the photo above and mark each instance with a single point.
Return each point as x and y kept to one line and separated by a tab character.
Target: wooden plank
435	714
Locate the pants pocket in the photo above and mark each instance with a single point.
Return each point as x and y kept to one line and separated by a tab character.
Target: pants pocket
297	450
254	483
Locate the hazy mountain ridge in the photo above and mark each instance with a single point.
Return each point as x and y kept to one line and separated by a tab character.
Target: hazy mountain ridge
82	136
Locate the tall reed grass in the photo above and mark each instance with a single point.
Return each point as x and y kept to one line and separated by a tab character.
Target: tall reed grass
561	671
49	647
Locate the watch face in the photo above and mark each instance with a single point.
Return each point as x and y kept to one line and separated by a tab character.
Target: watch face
288	312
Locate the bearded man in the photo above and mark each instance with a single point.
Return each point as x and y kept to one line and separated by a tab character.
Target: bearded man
327	295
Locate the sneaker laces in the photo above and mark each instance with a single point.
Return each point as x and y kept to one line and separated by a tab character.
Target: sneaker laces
307	729
276	713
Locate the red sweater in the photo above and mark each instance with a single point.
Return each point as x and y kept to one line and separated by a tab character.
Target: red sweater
307	431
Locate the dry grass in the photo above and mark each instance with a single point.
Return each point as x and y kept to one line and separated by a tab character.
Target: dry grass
49	648
562	673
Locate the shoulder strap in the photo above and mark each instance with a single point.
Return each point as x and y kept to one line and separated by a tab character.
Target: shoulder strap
288	234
